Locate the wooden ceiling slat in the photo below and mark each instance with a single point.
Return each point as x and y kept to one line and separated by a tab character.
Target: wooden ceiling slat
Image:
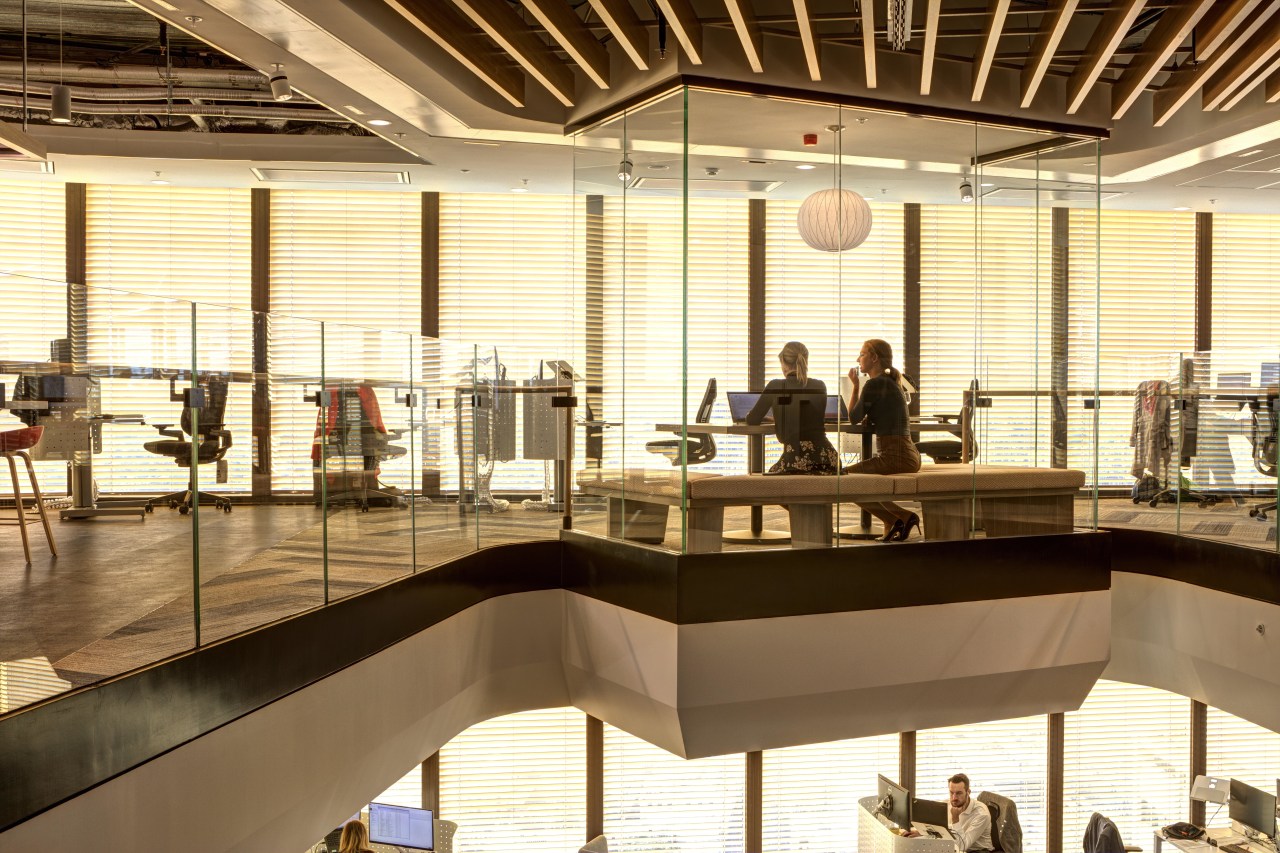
744	24
987	53
685	24
1167	36
1243	64
446	28
570	33
1106	38
869	42
1052	27
501	23
1239	21
625	26
805	27
1252	83
931	16
1273	88
1218	23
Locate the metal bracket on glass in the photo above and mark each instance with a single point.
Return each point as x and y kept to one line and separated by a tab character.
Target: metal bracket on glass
564	402
410	400
192	398
1090	403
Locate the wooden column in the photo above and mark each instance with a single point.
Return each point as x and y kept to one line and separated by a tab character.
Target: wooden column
755	293
753	809
77	271
431	783
431	454
260	301
910	363
593	267
907	760
1199	754
1204	287
1056	730
595	776
1059	335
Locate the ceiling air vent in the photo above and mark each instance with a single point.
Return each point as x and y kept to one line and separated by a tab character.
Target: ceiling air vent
705	185
330	176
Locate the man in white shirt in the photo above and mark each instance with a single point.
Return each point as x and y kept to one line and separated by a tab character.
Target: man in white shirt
967	818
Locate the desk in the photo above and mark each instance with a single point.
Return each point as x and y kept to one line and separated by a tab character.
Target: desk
756	534
1221	835
875	836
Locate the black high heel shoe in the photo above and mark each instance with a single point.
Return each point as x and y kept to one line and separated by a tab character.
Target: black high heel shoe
894	532
902	529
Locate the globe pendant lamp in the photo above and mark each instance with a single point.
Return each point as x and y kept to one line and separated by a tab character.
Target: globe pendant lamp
834	220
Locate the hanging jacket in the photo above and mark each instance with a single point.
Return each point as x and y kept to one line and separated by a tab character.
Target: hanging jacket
1151	437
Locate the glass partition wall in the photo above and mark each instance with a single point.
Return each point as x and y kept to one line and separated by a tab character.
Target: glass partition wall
720	228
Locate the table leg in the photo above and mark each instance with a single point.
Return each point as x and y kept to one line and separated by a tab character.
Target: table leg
861	530
82	502
756	534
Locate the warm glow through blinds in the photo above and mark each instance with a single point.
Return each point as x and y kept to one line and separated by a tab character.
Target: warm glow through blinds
517	783
145	250
655	802
1126	756
352	260
1239	749
1246	280
811	792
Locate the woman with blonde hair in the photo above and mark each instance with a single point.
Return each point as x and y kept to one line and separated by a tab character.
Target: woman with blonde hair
882	405
355	838
800	428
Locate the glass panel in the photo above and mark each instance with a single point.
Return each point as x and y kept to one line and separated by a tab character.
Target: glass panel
811	792
1239	749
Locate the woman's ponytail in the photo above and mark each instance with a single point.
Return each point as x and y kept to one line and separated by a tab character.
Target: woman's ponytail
796	355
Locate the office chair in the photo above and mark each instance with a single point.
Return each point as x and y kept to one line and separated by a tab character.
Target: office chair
948	451
1006	830
354	441
699	448
203	409
1189	429
445	830
1262	435
1101	836
16	442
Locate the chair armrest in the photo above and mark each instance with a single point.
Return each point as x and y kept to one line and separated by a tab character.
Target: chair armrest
223	436
945	419
165	429
1129	848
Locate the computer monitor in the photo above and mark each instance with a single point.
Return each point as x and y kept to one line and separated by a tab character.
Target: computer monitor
1252	808
932	812
402	826
1270	374
1234	380
894	802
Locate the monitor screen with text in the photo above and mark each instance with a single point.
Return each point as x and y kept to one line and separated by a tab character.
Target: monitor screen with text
402	826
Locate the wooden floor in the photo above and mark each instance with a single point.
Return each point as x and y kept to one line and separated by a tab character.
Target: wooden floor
122	592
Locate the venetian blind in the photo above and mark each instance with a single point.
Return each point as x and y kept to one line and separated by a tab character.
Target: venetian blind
1126	756
655	802
985	313
644	315
354	261
1003	756
811	792
151	252
1141	288
1239	749
507	285
517	783
32	266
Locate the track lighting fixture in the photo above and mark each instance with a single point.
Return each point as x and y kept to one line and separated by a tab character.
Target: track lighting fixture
625	168
280	90
60	108
966	191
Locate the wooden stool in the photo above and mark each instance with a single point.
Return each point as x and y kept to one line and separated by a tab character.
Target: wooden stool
16	442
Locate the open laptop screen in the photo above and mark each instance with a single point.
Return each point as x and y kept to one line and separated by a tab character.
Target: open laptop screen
742	402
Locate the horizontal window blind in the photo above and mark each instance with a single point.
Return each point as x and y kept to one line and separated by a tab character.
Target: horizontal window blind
517	783
644	316
1126	756
507	285
146	248
352	260
407	791
1239	749
1003	756
656	802
811	792
32	267
1145	308
985	314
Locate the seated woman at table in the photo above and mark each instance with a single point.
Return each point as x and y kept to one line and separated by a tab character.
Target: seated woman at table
882	406
800	427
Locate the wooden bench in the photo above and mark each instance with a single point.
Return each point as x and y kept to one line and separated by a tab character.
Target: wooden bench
1002	501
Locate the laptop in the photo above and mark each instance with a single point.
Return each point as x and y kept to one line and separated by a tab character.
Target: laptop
929	817
742	402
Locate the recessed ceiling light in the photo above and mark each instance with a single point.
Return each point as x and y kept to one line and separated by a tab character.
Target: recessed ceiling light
159	181
1182	208
658	167
806	167
379	122
988	185
757	162
1250	153
1089	163
354	110
523	188
488	142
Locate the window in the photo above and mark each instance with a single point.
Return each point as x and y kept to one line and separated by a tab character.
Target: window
1239	749
656	802
145	252
811	792
1126	757
517	783
1003	756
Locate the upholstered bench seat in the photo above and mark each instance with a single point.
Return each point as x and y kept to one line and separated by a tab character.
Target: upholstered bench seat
956	499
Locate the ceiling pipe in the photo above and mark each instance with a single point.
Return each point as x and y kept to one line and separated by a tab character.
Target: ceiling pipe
137	93
254	112
132	74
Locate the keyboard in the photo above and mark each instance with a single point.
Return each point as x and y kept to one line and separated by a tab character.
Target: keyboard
1234	848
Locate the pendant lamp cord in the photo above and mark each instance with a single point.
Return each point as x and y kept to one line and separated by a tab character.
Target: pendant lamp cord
24	66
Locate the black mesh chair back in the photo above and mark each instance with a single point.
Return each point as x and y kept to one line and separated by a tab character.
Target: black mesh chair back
212	415
699	448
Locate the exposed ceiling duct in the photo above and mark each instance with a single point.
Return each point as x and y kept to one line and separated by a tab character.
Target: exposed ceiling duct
149	93
246	111
132	74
